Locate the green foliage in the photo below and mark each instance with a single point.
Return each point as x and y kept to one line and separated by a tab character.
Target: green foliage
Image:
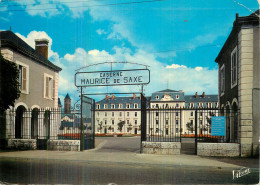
120	125
190	126
9	85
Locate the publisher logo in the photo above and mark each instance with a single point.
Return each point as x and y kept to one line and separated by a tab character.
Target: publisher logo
241	172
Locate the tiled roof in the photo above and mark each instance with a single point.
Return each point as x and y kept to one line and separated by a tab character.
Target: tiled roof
11	40
208	98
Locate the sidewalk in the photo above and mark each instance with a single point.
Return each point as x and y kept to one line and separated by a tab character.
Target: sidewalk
130	158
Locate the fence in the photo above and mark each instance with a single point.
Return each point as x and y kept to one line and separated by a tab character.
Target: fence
46	124
172	125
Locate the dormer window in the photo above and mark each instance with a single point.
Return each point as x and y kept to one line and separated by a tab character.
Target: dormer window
157	97
135	105
113	106
128	105
200	104
98	106
191	105
209	105
177	96
120	106
105	106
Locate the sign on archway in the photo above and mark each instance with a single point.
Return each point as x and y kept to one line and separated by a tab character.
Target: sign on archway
112	78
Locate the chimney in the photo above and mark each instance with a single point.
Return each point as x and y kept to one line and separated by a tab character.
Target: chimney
196	95
134	96
203	94
237	15
112	97
41	46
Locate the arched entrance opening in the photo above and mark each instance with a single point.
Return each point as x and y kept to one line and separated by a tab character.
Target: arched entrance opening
34	123
235	121
46	123
228	124
19	113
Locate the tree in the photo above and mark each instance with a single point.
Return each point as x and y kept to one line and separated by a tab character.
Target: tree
9	84
190	126
100	125
120	125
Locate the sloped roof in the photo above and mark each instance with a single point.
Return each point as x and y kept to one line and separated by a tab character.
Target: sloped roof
11	40
245	21
208	98
166	90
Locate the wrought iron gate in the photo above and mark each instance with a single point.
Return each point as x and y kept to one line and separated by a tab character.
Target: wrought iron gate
88	123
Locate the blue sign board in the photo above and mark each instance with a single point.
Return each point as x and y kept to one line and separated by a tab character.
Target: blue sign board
218	126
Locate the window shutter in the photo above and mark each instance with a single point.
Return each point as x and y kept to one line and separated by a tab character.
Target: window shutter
24	79
47	87
53	89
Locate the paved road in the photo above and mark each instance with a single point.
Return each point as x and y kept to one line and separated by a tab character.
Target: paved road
118	144
75	172
116	160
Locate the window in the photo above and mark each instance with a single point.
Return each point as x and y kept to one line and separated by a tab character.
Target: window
105	122
127	114
49	86
200	113
113	122
167	122
222	80
113	114
135	114
120	114
120	106
177	130
157	122
166	105
191	105
136	105
177	122
98	106
177	105
105	106
23	77
157	114
113	106
105	113
166	131
209	105
191	114
135	122
177	114
128	106
112	129
200	104
127	121
157	97
234	68
191	122
201	122
157	106
157	130
177	96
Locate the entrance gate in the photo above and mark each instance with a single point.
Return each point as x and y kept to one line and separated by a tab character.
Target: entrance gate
188	126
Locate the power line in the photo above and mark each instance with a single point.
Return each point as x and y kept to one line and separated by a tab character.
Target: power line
100	5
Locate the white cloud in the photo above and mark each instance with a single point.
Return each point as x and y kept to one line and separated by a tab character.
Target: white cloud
175	66
101	31
198	68
173	76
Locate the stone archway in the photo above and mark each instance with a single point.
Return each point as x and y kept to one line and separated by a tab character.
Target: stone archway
19	121
235	122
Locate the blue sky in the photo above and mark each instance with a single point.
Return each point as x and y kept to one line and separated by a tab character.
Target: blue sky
178	39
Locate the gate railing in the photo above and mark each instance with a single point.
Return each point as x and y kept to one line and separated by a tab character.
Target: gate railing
173	124
45	124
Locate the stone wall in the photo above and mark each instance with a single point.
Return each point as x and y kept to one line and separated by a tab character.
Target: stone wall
218	149
22	144
161	148
64	145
